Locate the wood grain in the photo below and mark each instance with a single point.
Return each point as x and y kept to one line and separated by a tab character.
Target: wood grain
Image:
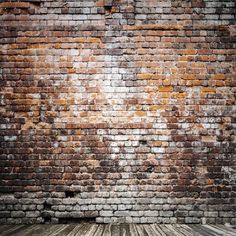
87	229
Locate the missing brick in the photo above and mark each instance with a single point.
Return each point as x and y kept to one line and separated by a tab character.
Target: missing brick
47	206
36	4
72	220
108	8
69	194
143	142
150	169
47	219
46	215
108	4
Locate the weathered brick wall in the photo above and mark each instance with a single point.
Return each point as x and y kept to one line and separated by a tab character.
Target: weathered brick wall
117	111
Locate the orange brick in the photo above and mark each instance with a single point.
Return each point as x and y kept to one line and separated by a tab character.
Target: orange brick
83	114
219	77
208	139
140	113
197	82
208	90
157	143
150	76
86	40
165	89
189	51
100	3
180	95
14	5
60	102
154	27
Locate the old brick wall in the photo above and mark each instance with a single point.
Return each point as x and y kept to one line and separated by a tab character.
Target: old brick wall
117	111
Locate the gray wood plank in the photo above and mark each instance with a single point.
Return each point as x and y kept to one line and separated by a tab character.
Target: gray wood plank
4	228
87	229
175	230
107	230
99	230
66	230
125	230
49	229
172	230
201	231
141	230
92	230
167	231
149	230
226	228
187	231
75	230
59	229
208	230
160	231
115	230
84	229
13	230
29	231
133	230
218	231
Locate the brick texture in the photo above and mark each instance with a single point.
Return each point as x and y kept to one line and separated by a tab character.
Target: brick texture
117	111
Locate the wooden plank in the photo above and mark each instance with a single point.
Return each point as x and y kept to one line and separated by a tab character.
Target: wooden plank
99	230
158	230
29	231
133	230
175	229
166	230
49	229
92	230
66	230
186	230
217	231
13	230
4	227
149	230
107	230
141	230
225	228
172	230
200	231
115	230
125	230
208	230
59	229
75	230
84	229
220	231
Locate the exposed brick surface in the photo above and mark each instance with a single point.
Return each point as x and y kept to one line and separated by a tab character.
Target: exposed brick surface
119	111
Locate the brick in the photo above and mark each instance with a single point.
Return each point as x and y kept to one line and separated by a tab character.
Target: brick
14	5
208	139
208	90
17	214
165	89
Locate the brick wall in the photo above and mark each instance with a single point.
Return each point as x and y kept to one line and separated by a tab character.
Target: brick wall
117	111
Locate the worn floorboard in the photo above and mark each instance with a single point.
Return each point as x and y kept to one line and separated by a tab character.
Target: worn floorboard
86	229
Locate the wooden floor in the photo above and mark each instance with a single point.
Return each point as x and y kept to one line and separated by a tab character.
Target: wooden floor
116	230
